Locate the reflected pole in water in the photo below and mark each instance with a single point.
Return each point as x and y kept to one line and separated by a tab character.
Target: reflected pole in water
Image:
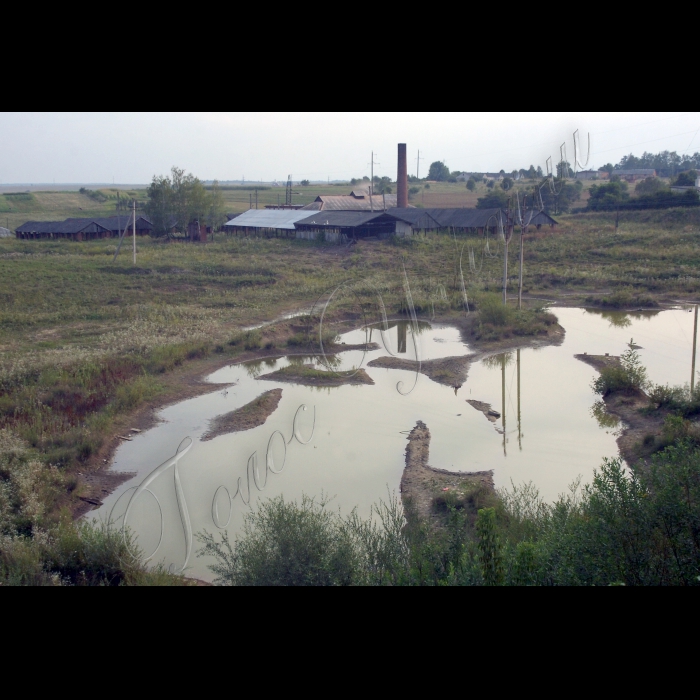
503	399
520	431
695	345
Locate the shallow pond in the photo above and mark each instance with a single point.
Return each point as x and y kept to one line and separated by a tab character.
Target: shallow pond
348	442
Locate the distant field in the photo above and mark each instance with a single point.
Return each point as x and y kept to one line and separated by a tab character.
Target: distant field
16	208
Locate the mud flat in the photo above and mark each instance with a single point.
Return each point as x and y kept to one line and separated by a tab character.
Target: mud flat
308	375
421	483
627	406
486	409
247	417
450	371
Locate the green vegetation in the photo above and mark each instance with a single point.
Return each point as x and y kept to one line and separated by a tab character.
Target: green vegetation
497	321
175	202
439	172
84	342
628	527
629	376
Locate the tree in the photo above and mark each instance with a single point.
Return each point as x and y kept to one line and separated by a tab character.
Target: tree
439	172
608	196
607	169
686	179
561	200
564	170
305	183
490	184
507	183
383	186
496	199
159	205
176	201
539	171
216	216
650	185
532	173
471	184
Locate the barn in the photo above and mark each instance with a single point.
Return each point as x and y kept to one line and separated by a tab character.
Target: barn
341	226
265	222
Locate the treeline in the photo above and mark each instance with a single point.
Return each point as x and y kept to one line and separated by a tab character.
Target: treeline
651	193
666	163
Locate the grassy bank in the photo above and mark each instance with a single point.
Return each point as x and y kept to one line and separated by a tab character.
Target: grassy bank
85	342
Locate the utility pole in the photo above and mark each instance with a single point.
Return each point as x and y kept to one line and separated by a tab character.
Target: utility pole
371	183
520	427
250	200
695	345
134	232
506	236
418	160
256	197
503	399
523	214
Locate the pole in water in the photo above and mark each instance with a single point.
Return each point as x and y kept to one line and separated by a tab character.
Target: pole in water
695	345
520	430
134	232
503	398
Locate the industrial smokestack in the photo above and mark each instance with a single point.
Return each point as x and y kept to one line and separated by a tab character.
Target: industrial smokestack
402	178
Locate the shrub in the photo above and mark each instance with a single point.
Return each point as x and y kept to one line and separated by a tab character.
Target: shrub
492	310
629	376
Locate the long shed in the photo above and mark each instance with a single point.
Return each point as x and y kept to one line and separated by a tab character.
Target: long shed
270	222
340	226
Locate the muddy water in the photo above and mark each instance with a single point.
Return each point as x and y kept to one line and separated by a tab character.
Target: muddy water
348	442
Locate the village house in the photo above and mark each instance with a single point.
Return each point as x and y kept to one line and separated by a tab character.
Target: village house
635	175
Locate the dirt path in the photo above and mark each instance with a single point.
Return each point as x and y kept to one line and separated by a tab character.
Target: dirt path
246	417
421	483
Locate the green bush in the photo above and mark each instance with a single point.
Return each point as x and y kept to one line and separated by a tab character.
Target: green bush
492	310
308	544
629	376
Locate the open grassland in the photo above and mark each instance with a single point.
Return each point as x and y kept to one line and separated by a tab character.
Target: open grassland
16	208
84	342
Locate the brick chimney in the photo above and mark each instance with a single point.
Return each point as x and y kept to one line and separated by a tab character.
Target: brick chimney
402	178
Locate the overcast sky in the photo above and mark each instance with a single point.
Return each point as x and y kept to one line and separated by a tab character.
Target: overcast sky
92	147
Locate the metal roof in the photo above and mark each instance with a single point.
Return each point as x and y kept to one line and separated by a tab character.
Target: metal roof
269	218
350	203
430	219
344	219
636	171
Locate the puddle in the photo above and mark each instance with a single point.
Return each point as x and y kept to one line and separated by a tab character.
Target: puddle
349	441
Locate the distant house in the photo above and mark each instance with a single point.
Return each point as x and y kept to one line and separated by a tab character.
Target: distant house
357	200
588	175
72	229
634	175
106	227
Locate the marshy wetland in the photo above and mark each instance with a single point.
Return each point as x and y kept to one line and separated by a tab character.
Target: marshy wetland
92	349
348	441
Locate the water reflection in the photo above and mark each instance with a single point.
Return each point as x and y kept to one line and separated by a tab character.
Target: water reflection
605	420
358	446
623	319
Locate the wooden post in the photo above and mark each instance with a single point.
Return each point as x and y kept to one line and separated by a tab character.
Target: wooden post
695	345
134	232
503	398
520	431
